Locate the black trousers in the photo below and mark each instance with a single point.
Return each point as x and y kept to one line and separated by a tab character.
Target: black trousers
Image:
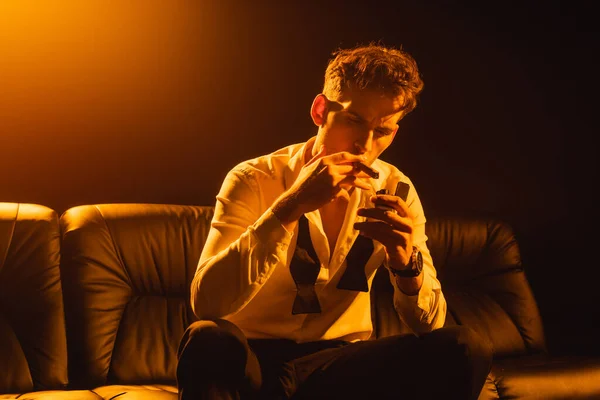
216	361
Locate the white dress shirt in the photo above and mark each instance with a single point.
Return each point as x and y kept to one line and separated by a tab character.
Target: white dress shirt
243	273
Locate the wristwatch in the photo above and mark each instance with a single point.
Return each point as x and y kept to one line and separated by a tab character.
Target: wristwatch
414	266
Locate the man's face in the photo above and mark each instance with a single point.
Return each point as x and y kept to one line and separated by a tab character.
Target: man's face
360	122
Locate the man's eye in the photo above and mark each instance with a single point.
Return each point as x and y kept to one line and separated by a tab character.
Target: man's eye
381	132
353	121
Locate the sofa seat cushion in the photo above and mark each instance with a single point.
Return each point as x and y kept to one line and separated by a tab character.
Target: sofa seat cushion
120	392
543	377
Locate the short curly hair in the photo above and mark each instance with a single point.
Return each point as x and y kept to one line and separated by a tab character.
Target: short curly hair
375	67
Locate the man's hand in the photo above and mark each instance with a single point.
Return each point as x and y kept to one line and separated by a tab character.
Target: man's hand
395	231
323	179
392	228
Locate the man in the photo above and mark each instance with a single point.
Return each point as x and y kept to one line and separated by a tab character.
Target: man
281	288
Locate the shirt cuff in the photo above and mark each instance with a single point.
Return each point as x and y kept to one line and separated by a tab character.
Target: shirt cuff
268	229
422	299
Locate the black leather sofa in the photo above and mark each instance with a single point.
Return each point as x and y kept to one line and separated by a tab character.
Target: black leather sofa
92	304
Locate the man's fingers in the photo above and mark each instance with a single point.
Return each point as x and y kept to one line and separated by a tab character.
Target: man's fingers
382	232
392	201
353	180
390	217
360	183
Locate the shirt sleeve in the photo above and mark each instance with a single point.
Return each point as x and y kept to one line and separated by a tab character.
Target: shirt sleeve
242	249
425	311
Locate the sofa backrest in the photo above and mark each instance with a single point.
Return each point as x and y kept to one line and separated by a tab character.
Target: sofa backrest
127	270
479	265
33	353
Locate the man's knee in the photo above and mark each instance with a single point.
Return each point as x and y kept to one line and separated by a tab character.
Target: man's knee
466	344
212	349
215	331
465	358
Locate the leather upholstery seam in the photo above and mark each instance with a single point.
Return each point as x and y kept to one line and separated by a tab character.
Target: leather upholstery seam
116	334
100	397
112	240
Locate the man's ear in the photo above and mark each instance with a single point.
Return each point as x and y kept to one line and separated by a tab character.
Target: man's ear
319	108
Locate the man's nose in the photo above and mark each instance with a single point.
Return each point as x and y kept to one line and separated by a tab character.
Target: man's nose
364	143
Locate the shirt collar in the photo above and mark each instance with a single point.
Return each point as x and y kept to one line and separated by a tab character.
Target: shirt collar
296	163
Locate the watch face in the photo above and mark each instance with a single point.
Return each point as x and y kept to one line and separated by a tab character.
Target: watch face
416	261
419	260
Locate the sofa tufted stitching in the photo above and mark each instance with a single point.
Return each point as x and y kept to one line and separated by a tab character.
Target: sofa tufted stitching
155	263
100	397
112	240
116	334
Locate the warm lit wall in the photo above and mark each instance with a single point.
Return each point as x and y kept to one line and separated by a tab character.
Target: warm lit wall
117	101
153	101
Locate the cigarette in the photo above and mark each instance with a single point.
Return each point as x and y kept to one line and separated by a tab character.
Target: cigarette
368	170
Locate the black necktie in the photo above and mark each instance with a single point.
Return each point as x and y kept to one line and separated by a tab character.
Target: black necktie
305	267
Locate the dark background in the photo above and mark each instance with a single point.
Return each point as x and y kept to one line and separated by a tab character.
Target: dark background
154	102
